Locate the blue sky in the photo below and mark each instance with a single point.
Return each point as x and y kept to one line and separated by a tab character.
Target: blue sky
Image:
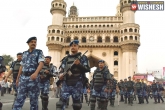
21	19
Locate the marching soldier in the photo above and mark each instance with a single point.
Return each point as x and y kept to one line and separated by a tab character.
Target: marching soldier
144	91
154	91
121	87
100	78
160	89
75	65
130	90
138	90
14	68
125	90
48	70
113	84
28	76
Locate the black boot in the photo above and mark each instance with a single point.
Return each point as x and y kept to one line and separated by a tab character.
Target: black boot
110	102
142	100
86	98
146	99
82	98
1	106
122	98
45	105
113	102
125	100
139	98
155	100
161	99
158	99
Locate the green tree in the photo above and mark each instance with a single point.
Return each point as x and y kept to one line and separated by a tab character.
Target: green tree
7	59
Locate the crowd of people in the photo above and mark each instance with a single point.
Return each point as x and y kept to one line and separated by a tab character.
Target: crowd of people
32	72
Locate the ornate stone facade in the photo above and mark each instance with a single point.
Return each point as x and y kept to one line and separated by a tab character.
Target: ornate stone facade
114	39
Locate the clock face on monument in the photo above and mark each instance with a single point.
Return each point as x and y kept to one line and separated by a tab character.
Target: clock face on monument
91	38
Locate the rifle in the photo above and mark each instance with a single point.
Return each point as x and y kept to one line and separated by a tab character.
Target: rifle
42	72
68	71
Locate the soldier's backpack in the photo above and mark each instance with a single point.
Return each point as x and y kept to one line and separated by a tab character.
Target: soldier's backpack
2	65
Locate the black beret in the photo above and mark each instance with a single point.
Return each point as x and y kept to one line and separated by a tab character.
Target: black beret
74	42
19	53
31	38
129	77
48	57
101	61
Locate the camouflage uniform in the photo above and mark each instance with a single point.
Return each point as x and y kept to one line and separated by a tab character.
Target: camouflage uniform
45	83
121	87
144	92
160	89
113	84
154	88
15	69
30	62
73	85
100	78
138	88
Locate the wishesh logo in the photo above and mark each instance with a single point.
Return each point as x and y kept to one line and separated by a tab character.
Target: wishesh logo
147	5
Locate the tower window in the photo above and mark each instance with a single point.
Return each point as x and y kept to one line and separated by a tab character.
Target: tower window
61	39
115	63
76	38
57	38
107	25
68	39
83	39
99	39
115	39
52	38
130	30
49	31
121	31
111	25
58	31
125	30
53	31
60	5
76	26
107	39
125	38
53	5
115	53
130	37
121	39
63	6
135	37
135	30
48	38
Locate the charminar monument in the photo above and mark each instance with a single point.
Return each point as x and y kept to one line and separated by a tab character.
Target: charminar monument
114	39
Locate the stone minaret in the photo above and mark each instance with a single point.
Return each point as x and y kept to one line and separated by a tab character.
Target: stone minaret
130	39
55	36
73	12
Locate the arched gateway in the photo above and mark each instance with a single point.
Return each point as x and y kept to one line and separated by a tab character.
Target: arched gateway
114	39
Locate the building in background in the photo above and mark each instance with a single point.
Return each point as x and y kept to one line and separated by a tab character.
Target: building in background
158	73
113	38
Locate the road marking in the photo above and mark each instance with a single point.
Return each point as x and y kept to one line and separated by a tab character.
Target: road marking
10	103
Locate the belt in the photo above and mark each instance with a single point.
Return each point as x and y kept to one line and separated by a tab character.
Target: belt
26	74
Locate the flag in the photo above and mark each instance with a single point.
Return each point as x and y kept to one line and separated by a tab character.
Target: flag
163	71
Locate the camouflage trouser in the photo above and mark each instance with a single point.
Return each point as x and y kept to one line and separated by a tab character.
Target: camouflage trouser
27	85
74	91
44	87
14	86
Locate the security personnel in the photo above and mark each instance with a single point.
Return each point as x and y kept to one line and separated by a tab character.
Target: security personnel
75	65
14	68
121	87
48	71
130	90
160	89
154	88
101	77
138	88
113	85
28	76
144	91
125	90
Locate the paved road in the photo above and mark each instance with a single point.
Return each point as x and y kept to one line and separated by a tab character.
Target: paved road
8	99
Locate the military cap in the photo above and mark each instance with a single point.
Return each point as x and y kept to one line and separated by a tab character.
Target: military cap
74	42
125	79
19	53
101	61
48	57
121	80
31	38
129	77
